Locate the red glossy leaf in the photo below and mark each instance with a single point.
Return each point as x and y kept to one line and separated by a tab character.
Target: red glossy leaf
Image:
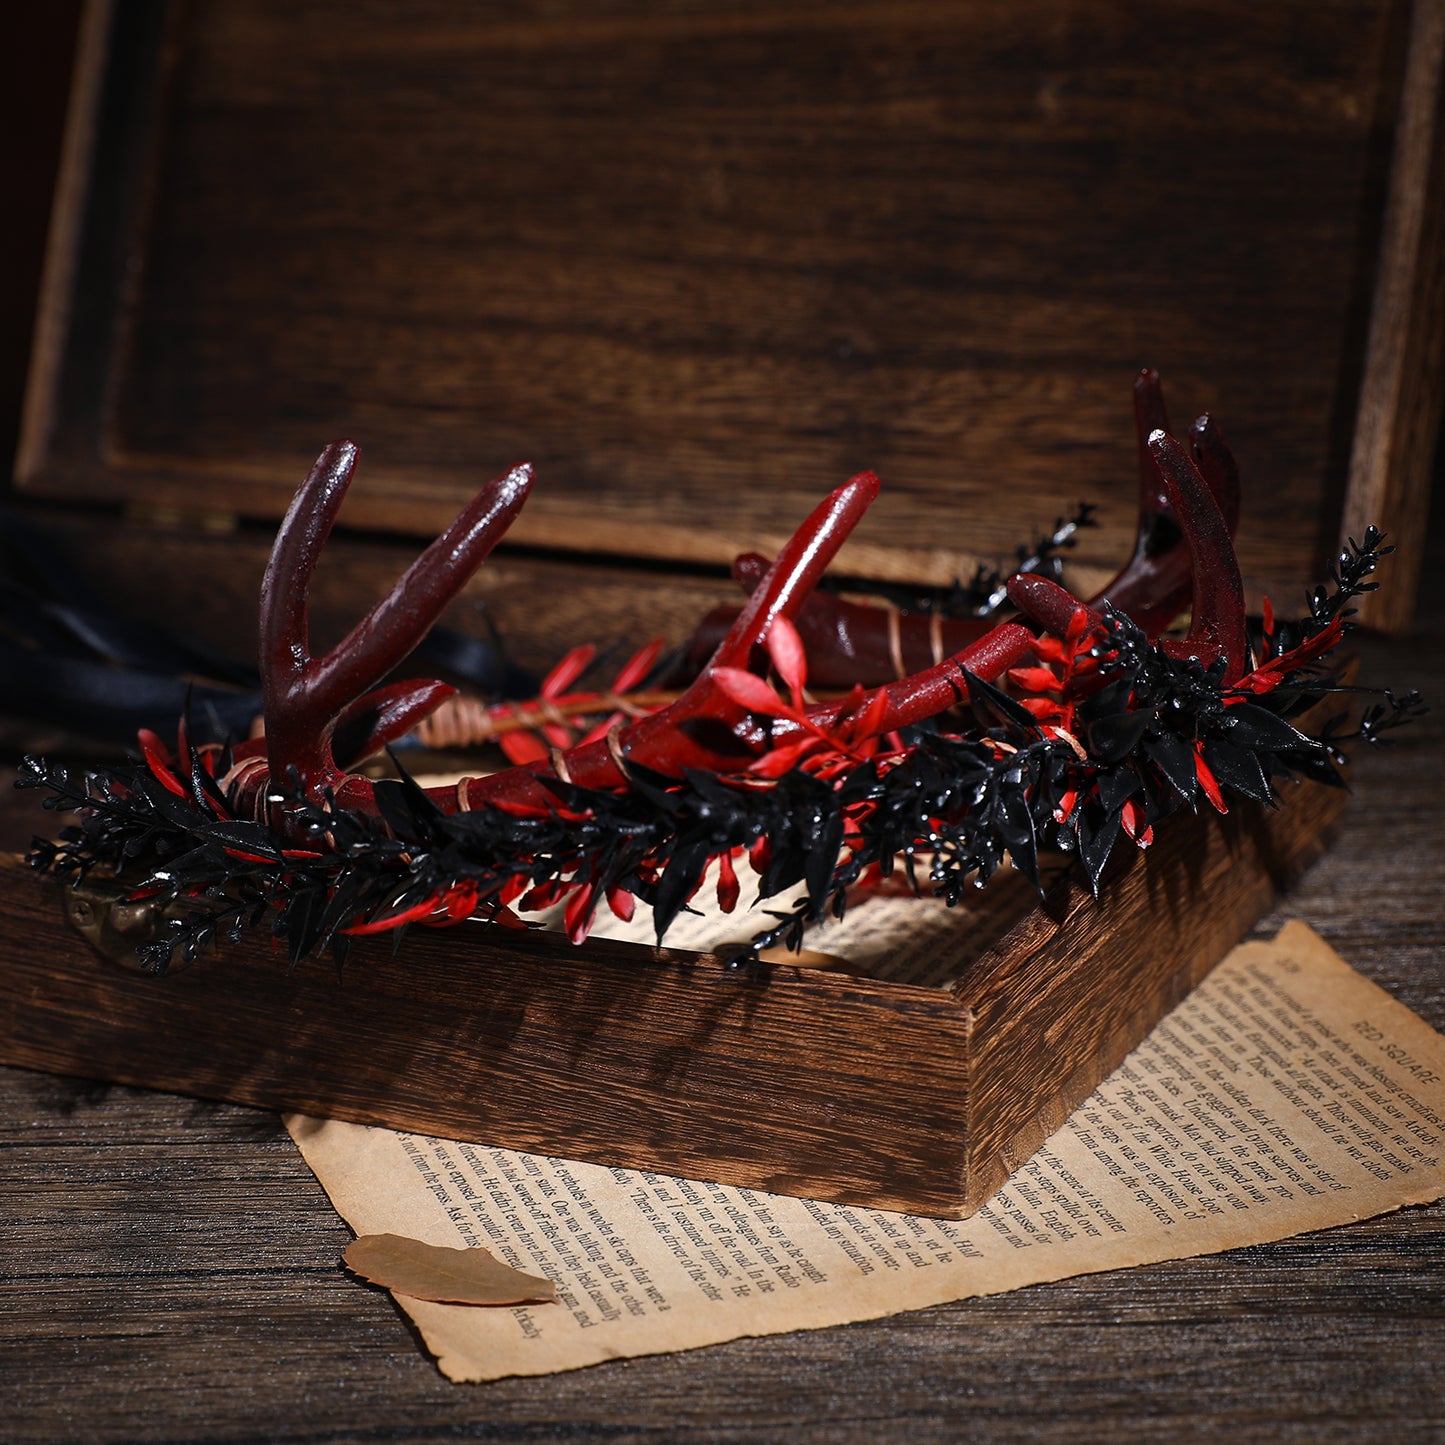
600	731
512	889
1041	707
864	723
785	648
1050	649
1079	624
568	670
1136	823
727	883
460	901
638	666
523	749
158	760
1035	679
784	759
578	916
544	895
417	913
749	691
622	903
1208	782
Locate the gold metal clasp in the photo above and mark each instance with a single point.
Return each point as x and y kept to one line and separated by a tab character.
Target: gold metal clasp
113	925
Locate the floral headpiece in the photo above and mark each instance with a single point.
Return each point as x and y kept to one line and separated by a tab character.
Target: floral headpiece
1074	726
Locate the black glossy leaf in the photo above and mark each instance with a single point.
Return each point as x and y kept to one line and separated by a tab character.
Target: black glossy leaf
1096	842
1109	701
1237	768
823	859
1174	757
395	807
253	838
787	866
709	787
1114	788
178	811
204	791
301	918
1114	737
1251	726
344	904
1016	826
995	708
681	876
1317	768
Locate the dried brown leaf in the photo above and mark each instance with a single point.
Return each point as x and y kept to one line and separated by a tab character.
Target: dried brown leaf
808	958
448	1276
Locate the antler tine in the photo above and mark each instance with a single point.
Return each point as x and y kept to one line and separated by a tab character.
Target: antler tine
285	644
305	698
1218	589
703	727
1218	468
1051	606
797	568
383	638
926	694
750	568
294	719
1154	585
1150	415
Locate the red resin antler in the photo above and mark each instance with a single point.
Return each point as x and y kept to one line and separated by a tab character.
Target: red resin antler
851	643
709	730
1217	625
323	714
310	703
319	714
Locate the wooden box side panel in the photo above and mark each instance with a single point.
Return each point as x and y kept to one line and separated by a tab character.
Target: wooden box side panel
1392	461
1057	1005
788	1081
676	252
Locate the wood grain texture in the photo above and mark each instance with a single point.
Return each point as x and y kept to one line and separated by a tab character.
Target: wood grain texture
1404	382
172	1268
792	1080
1061	999
701	263
540	606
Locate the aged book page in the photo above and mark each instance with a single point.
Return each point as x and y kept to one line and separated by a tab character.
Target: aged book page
1287	1093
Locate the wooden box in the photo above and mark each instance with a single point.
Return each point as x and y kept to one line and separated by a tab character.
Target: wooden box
700	263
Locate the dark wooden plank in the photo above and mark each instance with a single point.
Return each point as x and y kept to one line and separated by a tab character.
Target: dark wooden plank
701	263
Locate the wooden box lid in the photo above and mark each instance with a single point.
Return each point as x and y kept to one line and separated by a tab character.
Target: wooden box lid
701	262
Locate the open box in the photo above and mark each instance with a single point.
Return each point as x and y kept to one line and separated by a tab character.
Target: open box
700	263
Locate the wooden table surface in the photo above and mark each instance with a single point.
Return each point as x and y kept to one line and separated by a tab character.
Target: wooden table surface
170	1268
